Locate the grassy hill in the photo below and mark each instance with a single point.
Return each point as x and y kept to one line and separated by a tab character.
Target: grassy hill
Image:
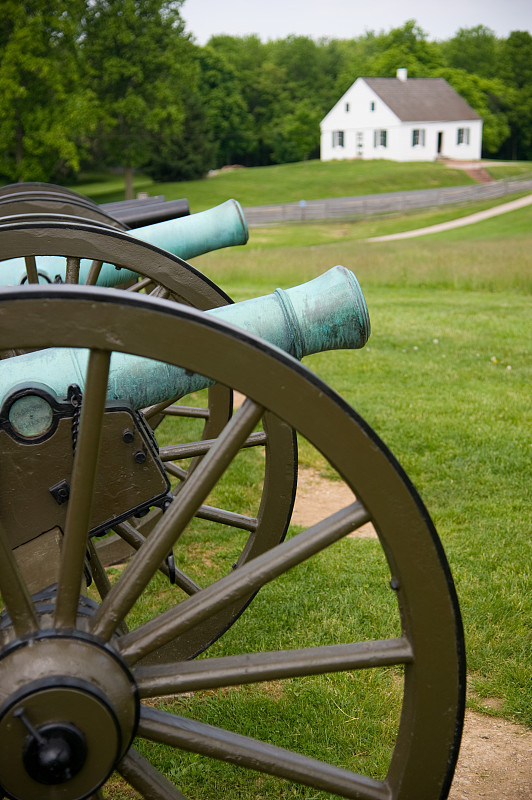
285	183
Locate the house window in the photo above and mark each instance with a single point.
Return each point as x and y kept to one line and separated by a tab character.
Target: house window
418	137
379	138
372	106
338	138
347	106
462	136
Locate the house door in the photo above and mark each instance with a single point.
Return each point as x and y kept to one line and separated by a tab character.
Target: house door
360	144
440	142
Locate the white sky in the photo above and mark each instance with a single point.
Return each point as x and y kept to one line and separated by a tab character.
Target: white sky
347	19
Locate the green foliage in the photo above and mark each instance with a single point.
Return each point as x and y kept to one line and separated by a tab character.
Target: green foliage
184	155
119	83
516	59
489	98
516	71
297	134
474	50
229	125
46	111
136	55
406	47
355	58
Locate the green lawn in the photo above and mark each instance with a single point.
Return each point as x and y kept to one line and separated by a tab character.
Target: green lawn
305	180
285	183
445	381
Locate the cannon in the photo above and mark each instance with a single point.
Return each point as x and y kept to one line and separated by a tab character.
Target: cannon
327	313
190	236
30	243
79	250
77	682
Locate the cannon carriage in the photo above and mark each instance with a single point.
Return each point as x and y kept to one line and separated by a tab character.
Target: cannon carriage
79	364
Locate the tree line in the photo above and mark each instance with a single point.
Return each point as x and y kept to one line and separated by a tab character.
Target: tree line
94	84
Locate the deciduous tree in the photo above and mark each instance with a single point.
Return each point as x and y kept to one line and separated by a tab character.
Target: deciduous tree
46	113
138	59
490	99
475	50
516	71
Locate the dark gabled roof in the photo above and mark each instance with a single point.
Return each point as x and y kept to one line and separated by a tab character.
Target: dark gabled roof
422	99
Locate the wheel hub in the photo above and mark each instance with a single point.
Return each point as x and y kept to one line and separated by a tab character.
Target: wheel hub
53	754
70	713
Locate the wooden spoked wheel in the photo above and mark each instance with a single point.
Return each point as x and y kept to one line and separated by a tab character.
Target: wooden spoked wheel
43	198
71	653
77	249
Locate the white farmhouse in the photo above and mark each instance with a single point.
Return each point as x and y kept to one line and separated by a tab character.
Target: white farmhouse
401	119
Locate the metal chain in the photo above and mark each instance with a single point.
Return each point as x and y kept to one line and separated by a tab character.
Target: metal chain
75	397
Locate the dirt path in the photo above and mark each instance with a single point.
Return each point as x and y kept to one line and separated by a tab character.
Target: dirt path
495	760
457	223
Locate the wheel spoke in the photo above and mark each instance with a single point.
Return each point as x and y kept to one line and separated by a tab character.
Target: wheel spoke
14	592
136	540
140	285
186	411
246	579
140	569
231	518
174	452
83	478
94	273
31	269
160	292
220	515
159	408
198	737
101	579
72	270
145	779
176	471
185	583
211	673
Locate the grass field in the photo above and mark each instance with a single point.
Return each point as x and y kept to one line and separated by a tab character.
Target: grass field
308	180
445	381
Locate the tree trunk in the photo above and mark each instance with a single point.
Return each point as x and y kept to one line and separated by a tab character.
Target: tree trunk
128	175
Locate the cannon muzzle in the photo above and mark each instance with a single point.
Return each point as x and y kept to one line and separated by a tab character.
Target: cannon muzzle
327	313
186	237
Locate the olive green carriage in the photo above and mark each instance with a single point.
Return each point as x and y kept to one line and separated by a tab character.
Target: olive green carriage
76	685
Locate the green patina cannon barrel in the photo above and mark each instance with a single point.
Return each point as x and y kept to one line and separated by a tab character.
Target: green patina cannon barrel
327	313
186	237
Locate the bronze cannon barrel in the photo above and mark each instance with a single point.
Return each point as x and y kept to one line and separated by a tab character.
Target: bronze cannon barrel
186	237
326	313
